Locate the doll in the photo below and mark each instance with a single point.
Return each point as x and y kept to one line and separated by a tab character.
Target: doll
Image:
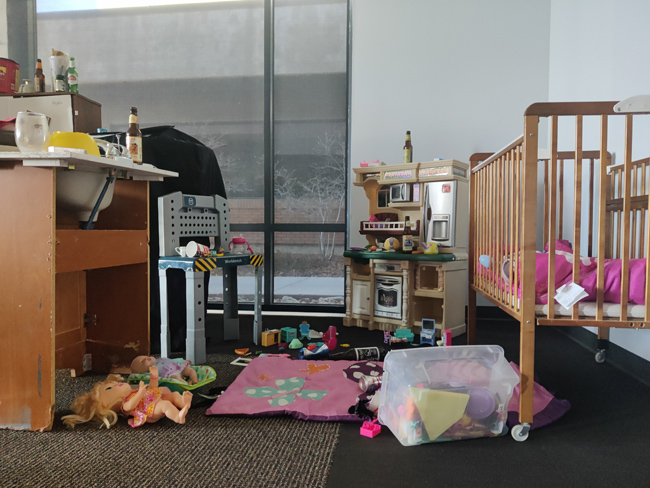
144	404
166	367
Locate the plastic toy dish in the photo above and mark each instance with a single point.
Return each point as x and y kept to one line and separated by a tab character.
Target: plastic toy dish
205	375
75	140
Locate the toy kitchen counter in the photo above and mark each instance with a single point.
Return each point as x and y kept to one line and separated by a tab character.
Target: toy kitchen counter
73	296
392	290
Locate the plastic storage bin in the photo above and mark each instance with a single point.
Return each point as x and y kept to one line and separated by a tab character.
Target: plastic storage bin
446	393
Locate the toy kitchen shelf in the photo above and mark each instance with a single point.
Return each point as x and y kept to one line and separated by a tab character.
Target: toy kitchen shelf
70	298
429	286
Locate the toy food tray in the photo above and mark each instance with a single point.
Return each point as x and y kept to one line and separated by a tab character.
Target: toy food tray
446	393
205	375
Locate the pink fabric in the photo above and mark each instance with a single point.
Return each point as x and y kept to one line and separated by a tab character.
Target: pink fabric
541	396
308	390
588	276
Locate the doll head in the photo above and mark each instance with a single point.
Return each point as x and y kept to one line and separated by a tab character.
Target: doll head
99	404
141	364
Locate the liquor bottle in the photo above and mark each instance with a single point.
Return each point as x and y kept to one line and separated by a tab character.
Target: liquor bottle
39	77
134	137
361	354
73	78
408	148
59	83
407	237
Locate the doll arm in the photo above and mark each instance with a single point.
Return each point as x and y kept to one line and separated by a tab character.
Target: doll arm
153	377
132	402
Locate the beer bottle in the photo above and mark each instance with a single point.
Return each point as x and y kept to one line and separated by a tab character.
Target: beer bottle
134	137
408	148
73	78
39	77
407	237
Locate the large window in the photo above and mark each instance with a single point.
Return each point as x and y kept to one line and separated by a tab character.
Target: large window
261	82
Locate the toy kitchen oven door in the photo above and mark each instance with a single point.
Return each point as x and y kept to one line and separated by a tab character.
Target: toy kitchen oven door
440	213
388	296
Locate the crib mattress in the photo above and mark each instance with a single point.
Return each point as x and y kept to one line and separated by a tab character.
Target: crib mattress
588	309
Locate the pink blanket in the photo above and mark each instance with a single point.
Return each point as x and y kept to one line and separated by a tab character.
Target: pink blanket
588	276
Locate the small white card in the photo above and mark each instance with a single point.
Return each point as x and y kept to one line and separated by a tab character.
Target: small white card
570	294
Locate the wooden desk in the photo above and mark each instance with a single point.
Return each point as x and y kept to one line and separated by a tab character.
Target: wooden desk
70	298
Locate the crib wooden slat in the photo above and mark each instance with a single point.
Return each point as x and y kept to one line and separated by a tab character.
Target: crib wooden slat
514	274
591	209
647	246
561	199
547	189
552	217
577	209
625	246
603	186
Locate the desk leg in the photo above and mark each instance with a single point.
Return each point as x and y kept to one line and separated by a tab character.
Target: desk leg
195	341
230	306
257	321
164	314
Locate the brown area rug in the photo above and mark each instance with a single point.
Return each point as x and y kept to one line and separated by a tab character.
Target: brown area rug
206	451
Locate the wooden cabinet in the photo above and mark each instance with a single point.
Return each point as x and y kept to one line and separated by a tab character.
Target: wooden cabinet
70	298
69	112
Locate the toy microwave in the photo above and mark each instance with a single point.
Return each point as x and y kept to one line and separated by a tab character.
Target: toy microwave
400	192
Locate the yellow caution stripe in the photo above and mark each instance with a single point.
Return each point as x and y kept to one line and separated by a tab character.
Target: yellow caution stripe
205	264
257	260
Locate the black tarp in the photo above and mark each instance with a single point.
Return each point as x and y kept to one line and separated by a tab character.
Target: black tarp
198	174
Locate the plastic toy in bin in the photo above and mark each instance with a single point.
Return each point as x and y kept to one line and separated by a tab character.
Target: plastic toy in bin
446	393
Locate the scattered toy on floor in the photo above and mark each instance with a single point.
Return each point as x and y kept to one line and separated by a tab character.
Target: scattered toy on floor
167	368
288	334
329	337
295	344
270	337
370	429
304	330
144	404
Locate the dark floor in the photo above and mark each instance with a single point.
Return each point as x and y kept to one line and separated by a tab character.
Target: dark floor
601	441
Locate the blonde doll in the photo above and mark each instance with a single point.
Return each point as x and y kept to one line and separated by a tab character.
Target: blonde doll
144	404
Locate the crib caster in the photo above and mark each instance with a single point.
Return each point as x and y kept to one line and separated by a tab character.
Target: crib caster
520	432
601	355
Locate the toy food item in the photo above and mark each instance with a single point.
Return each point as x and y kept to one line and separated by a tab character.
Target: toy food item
392	244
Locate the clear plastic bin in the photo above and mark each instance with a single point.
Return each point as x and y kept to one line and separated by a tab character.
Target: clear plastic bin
446	393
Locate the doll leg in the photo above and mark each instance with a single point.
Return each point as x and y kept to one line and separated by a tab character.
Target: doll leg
191	374
179	377
169	410
177	399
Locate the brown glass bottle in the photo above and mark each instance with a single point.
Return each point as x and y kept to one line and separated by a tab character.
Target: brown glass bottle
407	237
408	148
39	77
134	137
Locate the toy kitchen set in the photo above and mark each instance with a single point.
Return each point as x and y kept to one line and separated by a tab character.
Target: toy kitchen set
388	289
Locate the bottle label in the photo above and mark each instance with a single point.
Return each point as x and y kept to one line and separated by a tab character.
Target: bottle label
59	85
408	243
133	119
134	143
367	353
408	155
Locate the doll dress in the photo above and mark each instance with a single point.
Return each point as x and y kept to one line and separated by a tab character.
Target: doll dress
168	367
145	408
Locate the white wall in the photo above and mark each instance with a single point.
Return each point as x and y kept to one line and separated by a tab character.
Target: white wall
457	74
613	66
4	48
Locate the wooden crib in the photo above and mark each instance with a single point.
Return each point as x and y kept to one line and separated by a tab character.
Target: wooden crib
600	207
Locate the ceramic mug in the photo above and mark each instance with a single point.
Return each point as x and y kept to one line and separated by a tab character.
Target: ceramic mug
196	250
181	250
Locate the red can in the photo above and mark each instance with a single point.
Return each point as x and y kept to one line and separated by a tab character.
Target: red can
9	76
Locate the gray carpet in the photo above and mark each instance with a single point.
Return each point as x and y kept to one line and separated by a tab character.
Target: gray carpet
205	451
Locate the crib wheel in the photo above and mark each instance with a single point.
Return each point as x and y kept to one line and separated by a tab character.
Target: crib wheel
520	432
601	355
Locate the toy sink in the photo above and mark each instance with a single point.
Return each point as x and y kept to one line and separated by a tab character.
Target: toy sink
78	191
